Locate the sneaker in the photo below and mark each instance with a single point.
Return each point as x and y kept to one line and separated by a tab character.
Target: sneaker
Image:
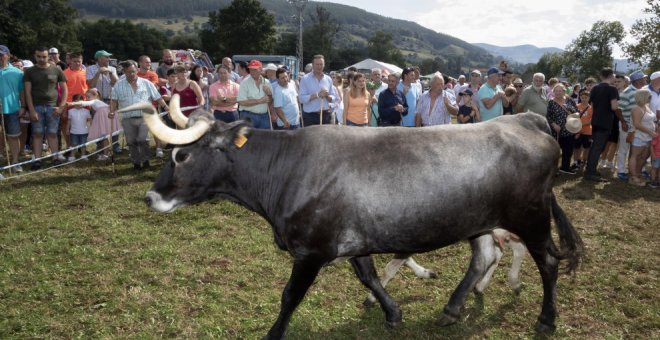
146	165
622	176
18	168
56	162
137	167
60	157
595	178
116	150
85	158
575	167
102	158
36	166
567	171
645	174
159	153
71	158
637	181
655	184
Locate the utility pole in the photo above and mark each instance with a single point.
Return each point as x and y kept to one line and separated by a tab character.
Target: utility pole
300	7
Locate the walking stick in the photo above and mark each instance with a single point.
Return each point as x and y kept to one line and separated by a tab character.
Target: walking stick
112	152
4	135
321	122
270	119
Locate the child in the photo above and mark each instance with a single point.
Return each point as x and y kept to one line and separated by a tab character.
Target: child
467	113
79	118
583	139
655	158
101	124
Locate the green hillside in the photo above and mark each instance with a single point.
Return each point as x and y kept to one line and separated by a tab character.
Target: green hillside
355	25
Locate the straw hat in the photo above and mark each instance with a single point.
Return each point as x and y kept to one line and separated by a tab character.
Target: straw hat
573	123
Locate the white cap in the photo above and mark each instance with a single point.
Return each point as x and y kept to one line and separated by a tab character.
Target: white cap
27	63
270	67
53	50
655	75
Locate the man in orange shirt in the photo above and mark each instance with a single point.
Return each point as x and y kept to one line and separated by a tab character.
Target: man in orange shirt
76	83
145	72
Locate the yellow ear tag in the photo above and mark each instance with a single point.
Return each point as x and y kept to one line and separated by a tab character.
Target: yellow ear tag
239	141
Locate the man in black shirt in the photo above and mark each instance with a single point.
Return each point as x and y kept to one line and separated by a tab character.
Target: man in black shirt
604	99
392	103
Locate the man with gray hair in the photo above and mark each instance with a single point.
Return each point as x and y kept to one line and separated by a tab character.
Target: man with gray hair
128	91
392	105
428	111
534	98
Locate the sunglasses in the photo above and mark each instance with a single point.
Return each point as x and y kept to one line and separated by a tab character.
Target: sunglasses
519	85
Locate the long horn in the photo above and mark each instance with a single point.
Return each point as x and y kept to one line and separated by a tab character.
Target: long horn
164	132
175	112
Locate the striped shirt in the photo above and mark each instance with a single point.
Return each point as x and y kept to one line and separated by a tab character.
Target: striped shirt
103	84
438	115
627	102
123	93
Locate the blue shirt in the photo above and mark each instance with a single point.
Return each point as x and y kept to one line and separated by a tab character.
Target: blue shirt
287	99
309	86
412	96
486	91
386	103
11	85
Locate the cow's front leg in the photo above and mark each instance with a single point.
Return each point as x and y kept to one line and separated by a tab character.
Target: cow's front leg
364	269
302	276
391	269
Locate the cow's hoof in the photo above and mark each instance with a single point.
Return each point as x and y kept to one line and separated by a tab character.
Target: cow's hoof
392	324
446	320
394	319
433	275
545	328
368	303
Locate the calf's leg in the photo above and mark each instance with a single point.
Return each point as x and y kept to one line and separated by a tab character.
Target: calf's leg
366	272
420	271
519	251
303	274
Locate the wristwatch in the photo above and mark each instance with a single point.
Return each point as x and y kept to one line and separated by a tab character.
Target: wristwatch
224	99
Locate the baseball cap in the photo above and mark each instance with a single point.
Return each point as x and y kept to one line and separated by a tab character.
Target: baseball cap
102	53
53	50
637	75
518	81
494	70
655	75
476	72
4	50
254	64
27	63
270	67
466	92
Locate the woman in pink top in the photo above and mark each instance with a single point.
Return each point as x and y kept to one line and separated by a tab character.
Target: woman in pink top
357	111
189	92
222	95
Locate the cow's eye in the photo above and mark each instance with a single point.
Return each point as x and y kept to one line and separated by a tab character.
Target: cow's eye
180	157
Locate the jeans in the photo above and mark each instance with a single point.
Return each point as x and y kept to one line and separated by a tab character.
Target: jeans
47	121
225	116
314	118
259	121
136	133
78	139
599	136
291	127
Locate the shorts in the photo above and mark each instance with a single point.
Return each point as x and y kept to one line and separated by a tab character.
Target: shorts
46	120
640	143
655	163
78	139
584	141
12	124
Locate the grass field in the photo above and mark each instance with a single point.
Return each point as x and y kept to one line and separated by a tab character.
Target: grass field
82	257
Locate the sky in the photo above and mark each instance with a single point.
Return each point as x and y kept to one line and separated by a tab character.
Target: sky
549	23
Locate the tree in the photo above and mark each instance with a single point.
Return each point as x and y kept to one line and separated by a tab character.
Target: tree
185	41
428	66
286	44
123	39
550	64
25	25
382	48
592	50
243	27
646	48
319	38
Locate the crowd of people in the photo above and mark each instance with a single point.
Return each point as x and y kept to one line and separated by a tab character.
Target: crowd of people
65	103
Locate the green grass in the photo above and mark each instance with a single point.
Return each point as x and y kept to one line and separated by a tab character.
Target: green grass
82	257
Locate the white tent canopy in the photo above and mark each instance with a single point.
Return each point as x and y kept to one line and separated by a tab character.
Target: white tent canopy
369	64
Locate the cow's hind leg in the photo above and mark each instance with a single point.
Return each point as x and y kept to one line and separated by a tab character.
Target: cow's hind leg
366	272
480	262
302	276
548	266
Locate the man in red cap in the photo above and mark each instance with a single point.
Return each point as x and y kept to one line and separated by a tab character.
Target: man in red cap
254	97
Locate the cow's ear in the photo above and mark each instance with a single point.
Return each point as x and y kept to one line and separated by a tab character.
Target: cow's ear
233	135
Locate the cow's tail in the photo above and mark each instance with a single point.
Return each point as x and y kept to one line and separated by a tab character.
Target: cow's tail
571	247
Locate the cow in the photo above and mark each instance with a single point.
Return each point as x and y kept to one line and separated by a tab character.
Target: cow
390	190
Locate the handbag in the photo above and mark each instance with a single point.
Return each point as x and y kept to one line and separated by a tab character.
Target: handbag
630	137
